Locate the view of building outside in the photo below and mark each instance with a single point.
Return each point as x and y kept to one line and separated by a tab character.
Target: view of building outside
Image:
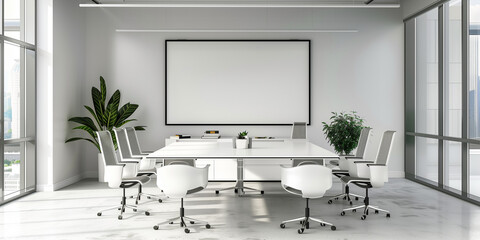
11	95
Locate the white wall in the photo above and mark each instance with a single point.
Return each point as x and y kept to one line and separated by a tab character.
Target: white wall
61	66
350	71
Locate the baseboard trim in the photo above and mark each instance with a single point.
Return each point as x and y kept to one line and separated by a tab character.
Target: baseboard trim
66	182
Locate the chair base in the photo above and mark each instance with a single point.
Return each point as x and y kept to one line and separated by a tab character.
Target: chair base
305	221
182	221
140	193
240	189
346	195
122	207
366	207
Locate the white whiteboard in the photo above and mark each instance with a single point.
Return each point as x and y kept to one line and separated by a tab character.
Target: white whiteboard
237	82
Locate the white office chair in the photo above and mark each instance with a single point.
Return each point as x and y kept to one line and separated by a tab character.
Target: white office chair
308	181
369	174
178	180
146	167
343	164
118	175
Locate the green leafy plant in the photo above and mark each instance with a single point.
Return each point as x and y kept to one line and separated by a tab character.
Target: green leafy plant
242	135
344	131
106	117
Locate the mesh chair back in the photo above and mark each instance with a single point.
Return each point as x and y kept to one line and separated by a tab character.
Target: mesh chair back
299	130
122	143
108	149
363	142
133	141
385	147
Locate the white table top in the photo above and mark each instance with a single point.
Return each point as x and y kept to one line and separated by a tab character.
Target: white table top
260	149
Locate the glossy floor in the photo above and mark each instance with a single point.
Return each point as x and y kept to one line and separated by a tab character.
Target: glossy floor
417	213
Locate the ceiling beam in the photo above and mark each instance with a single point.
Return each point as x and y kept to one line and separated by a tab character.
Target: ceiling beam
242	5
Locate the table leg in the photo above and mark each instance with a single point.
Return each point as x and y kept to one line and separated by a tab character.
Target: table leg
239	187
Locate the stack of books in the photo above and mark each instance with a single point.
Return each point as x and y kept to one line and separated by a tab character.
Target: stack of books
211	134
180	136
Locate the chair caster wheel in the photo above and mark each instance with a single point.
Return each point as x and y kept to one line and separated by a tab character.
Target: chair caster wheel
149	197
136	202
181	225
354	210
262	192
119	209
160	200
336	198
217	192
170	223
235	190
192	222
187	230
333	228
155	227
147	213
301	222
282	225
300	231
351	203
307	225
330	202
99	214
131	196
356	198
344	198
134	210
342	213
322	224
376	211
208	226
120	217
364	217
388	215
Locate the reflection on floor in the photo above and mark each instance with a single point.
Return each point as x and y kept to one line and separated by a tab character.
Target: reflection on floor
418	212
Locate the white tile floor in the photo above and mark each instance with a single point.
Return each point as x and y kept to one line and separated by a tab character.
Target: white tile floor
417	213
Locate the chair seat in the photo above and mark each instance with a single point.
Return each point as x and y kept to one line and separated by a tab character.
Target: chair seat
340	173
350	179
139	179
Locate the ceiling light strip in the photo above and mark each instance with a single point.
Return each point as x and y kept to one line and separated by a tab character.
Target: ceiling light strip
236	31
239	5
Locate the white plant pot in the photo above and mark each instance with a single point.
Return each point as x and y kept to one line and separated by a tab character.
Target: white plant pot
242	143
101	169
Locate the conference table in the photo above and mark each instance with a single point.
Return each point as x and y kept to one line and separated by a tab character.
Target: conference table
262	149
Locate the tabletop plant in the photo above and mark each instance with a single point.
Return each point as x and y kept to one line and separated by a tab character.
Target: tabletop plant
107	116
242	135
343	131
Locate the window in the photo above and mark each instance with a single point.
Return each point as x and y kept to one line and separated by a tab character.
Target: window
17	45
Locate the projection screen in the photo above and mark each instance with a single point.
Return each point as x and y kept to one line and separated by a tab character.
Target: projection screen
237	82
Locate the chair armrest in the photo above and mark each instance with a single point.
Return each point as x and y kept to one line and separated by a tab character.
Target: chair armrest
378	174
130	170
363	162
147	163
362	169
113	175
352	157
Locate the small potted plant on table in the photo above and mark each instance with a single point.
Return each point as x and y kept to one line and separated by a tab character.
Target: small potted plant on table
242	140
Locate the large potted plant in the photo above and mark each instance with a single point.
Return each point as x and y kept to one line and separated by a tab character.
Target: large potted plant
343	131
104	116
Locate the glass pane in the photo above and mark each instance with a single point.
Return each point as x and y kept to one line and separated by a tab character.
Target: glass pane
453	70
474	170
452	165
14	169
19	20
426	158
13	104
474	75
426	66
